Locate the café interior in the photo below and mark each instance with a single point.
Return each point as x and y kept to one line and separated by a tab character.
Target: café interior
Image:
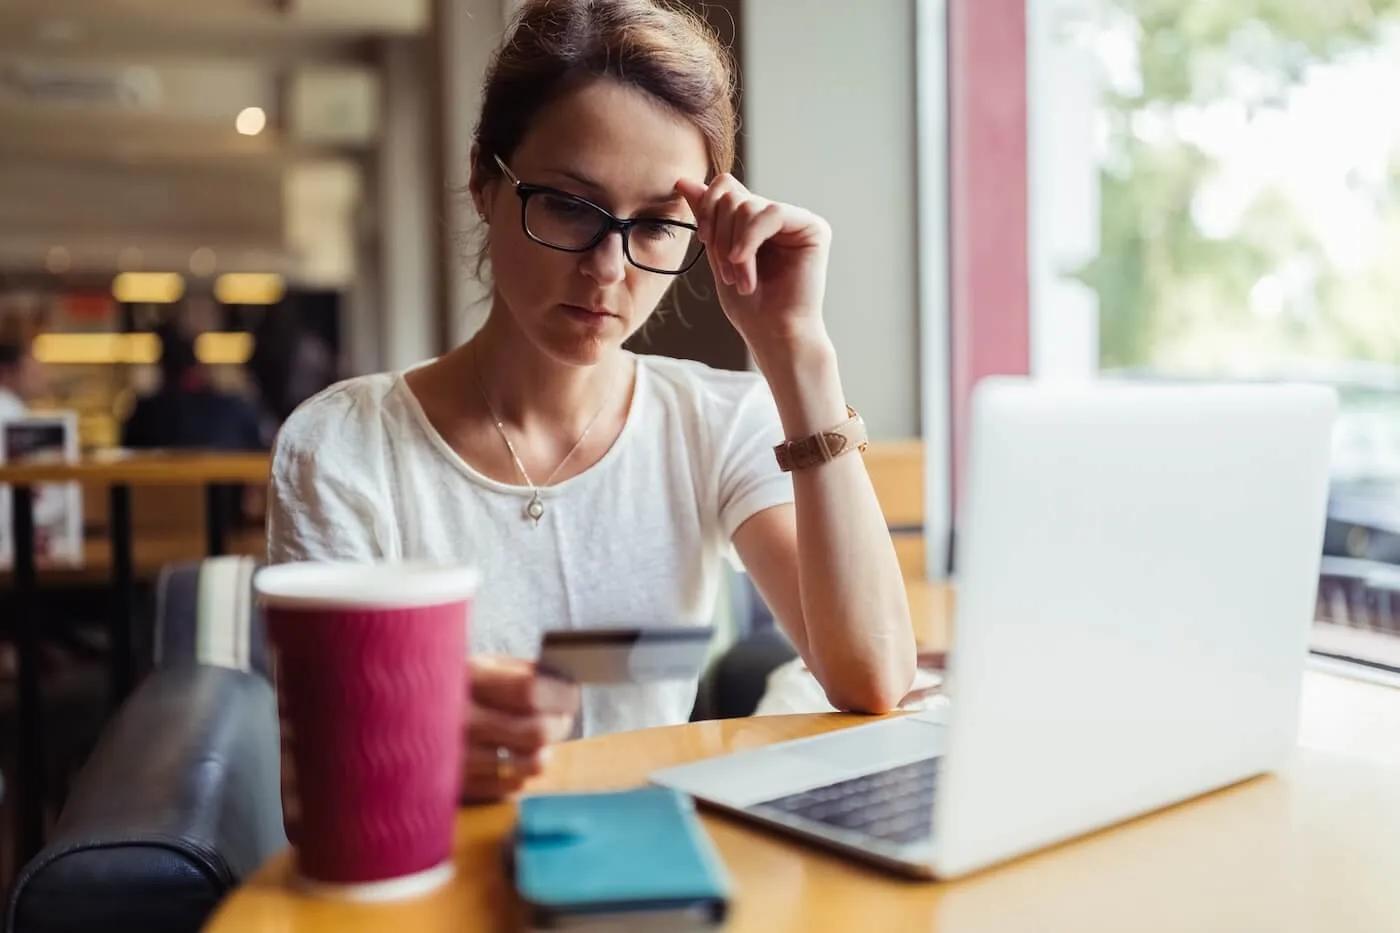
1060	189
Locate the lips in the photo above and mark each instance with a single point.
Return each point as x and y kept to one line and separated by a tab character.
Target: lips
596	310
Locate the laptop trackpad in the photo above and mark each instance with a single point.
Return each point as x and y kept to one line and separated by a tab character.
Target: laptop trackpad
748	777
875	747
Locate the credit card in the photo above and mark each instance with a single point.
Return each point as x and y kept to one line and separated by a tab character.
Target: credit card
625	655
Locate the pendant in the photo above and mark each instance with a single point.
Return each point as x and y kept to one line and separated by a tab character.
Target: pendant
534	510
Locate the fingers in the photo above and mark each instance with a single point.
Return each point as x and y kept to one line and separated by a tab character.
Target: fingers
513	685
692	191
756	222
716	220
524	735
734	223
513	717
487	776
723	222
715	225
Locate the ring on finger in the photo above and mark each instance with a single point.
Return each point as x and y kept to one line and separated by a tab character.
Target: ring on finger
505	764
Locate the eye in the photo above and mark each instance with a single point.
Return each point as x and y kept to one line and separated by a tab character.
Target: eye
657	229
563	207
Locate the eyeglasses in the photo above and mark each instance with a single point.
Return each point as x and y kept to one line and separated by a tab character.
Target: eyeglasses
573	224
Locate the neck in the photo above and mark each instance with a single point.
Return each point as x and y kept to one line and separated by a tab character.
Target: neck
530	391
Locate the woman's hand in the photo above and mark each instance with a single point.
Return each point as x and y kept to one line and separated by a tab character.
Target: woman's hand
769	261
514	715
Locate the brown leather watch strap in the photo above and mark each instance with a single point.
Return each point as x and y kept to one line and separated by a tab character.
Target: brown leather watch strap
815	449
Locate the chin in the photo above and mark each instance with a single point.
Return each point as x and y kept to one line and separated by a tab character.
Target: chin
576	349
581	346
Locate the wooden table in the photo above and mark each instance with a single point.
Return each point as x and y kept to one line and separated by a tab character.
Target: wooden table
1317	849
120	471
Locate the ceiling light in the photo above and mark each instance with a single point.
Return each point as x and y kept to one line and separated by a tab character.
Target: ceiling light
223	348
97	348
157	288
251	121
249	288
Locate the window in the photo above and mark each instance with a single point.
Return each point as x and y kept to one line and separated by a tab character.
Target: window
935	402
1242	221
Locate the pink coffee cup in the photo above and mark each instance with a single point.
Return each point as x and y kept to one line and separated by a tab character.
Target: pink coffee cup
370	667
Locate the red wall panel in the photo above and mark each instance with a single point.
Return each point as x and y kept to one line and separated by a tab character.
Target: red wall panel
988	201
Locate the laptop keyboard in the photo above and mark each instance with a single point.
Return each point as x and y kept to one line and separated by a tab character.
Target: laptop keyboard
894	805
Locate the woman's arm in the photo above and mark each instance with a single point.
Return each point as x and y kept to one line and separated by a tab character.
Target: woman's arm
846	608
827	565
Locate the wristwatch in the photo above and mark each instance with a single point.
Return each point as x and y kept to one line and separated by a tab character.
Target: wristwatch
816	449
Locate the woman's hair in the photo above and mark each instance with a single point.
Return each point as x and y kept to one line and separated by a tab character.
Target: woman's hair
553	46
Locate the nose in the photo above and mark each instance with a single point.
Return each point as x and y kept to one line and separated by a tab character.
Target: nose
606	263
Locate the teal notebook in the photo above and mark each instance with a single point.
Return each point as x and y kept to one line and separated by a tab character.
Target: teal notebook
582	856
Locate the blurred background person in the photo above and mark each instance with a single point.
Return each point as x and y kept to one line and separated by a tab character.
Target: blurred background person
21	376
290	363
187	411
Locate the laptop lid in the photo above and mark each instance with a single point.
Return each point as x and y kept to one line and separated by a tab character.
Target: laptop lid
1137	574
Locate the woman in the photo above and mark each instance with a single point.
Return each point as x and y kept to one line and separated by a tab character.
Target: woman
596	487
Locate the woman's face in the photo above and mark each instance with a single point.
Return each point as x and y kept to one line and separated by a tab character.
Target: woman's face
623	151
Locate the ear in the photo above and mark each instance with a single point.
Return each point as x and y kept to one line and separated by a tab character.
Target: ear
476	184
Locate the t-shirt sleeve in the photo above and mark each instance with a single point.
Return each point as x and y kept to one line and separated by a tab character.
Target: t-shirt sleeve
749	478
321	506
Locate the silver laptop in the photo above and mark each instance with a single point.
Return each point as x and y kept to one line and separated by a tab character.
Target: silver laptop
1137	573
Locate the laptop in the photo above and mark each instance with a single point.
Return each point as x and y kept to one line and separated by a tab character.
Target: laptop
1136	582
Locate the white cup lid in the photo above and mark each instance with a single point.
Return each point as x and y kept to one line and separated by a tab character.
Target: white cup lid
313	584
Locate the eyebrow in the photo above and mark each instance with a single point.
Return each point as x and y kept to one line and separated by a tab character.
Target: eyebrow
669	197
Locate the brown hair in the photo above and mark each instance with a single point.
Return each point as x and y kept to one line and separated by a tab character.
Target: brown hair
551	46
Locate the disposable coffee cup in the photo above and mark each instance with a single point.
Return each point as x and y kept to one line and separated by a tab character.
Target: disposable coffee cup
369	662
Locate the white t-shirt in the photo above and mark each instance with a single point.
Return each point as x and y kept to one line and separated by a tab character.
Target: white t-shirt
639	538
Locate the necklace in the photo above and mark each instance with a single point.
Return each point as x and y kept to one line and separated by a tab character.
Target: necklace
534	509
